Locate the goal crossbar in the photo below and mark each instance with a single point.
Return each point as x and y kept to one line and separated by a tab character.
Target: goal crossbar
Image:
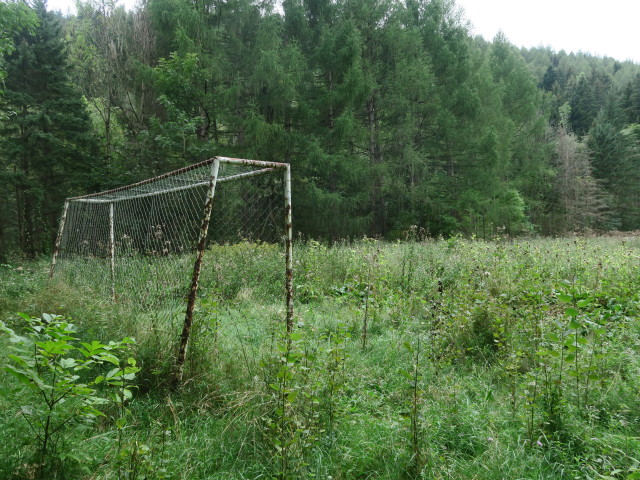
135	190
131	196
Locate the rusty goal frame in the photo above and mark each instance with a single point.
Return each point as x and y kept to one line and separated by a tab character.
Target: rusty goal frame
204	176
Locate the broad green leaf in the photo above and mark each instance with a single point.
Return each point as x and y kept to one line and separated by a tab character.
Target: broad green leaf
108	357
68	363
92	411
21	375
563	297
19	360
572	312
82	390
92	348
295	355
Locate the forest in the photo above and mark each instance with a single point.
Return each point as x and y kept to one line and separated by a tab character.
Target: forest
453	313
391	114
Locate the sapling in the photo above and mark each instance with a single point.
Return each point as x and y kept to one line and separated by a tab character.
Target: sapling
121	378
414	378
372	262
408	258
287	429
335	360
60	372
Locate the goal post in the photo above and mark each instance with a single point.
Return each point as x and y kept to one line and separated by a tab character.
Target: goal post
143	242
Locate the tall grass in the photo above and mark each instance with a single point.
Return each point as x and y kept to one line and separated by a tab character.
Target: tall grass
494	396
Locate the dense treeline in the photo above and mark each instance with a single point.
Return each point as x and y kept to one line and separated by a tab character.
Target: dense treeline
390	113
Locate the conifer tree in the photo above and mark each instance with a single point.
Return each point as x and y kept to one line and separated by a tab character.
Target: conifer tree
614	156
46	145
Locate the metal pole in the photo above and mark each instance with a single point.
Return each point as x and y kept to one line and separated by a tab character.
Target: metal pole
288	230
175	189
56	248
188	319
112	252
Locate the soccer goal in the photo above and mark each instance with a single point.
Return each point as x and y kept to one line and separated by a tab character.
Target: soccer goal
145	242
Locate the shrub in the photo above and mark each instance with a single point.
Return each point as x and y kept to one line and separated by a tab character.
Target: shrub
58	382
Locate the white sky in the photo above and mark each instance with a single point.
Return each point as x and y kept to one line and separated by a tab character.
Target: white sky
608	28
69	6
601	28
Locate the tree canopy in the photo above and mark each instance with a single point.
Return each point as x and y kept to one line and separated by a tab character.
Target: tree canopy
391	114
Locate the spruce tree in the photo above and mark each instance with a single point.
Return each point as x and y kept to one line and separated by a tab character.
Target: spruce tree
616	164
46	143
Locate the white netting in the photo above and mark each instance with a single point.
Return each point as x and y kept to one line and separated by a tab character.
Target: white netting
138	242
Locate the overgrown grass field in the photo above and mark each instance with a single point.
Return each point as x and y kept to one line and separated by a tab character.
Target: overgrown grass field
434	359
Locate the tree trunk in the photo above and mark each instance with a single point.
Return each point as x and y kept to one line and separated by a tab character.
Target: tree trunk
378	221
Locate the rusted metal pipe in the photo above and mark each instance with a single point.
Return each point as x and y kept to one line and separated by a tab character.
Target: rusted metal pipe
112	252
288	239
56	248
148	180
174	189
241	161
188	319
253	163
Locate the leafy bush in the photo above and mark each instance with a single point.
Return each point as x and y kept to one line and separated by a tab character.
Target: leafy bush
59	378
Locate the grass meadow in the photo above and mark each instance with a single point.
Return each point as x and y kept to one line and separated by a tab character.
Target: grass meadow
421	359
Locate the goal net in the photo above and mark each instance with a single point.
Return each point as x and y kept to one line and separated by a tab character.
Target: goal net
144	243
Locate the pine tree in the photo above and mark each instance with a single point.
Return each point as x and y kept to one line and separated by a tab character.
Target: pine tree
631	101
614	156
46	144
